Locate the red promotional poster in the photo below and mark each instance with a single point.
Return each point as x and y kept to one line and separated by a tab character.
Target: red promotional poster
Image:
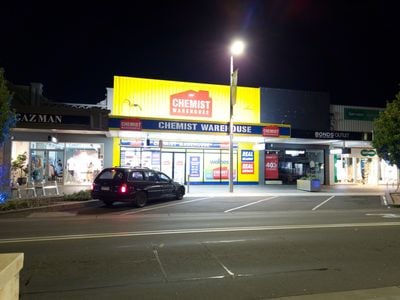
191	103
271	166
221	173
131	124
248	167
272	131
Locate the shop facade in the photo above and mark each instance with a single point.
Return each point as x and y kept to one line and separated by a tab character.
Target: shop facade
358	163
182	129
62	142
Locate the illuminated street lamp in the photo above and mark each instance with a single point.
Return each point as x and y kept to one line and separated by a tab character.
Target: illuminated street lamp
236	49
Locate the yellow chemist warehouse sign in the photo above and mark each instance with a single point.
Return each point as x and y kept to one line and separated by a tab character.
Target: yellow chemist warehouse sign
139	97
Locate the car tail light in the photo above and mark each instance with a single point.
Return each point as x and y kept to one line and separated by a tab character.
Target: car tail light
123	188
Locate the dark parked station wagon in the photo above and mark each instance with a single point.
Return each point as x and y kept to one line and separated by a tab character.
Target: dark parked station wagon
135	185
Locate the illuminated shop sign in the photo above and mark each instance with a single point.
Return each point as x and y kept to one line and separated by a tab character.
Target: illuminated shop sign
368	152
188	126
339	135
39	118
271	131
131	124
191	103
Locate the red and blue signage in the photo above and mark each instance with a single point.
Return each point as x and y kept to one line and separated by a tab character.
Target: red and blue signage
194	126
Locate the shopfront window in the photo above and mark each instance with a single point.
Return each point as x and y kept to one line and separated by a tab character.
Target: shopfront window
83	163
288	165
387	173
196	165
357	169
68	163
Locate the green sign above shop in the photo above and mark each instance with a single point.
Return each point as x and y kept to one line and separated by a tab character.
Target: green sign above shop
368	152
361	114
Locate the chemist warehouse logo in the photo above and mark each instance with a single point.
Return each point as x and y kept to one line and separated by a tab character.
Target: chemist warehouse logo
191	103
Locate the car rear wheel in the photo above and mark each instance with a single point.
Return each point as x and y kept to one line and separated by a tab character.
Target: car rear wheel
179	194
140	199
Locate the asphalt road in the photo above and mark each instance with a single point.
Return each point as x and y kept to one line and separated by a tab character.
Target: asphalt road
208	248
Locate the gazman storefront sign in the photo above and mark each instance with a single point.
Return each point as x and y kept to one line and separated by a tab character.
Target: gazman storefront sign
136	124
162	99
191	103
32	119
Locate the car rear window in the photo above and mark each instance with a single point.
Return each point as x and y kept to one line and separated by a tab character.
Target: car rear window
135	176
111	174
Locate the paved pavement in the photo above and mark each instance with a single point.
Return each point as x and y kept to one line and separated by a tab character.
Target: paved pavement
238	191
289	190
256	190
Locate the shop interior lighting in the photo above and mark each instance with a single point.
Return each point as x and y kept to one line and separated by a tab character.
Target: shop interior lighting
294	152
259	146
336	151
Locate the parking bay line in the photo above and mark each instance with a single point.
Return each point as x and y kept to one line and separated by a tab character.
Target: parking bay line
319	205
252	203
166	205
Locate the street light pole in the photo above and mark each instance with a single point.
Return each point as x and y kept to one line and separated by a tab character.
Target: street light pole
231	129
236	49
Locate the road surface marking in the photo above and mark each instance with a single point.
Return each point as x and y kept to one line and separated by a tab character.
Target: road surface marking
252	203
230	273
389	216
155	252
224	241
186	231
163	206
319	205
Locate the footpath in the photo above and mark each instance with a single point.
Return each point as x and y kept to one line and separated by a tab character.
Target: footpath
238	191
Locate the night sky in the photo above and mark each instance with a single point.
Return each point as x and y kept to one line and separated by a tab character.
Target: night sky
350	49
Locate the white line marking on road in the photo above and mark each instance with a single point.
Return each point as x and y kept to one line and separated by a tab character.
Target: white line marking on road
166	205
319	205
225	241
155	252
230	273
186	231
252	203
385	201
389	216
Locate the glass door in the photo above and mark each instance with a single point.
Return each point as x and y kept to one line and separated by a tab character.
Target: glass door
179	167
166	163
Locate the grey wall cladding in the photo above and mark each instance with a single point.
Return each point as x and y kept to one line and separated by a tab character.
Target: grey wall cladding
301	109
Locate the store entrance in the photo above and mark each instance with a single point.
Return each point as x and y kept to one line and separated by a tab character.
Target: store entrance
173	164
